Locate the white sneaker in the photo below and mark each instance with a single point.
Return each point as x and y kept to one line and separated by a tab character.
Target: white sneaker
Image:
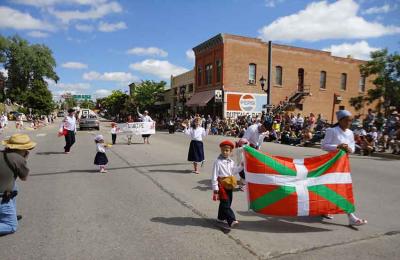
357	222
234	223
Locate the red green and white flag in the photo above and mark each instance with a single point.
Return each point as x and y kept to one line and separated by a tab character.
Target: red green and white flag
298	187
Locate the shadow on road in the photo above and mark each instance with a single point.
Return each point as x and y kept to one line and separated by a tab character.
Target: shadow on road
109	169
48	153
205	185
295	219
273	225
172	171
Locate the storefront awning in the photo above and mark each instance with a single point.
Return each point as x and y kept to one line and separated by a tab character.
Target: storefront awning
201	98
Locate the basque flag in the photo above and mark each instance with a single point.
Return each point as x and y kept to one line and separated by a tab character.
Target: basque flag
298	187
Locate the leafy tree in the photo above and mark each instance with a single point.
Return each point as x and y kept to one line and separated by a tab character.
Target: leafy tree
87	103
40	98
28	66
69	103
114	103
147	93
386	69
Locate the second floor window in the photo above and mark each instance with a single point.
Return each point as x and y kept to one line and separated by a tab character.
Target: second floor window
343	81
199	75
219	70
252	73
278	75
361	86
209	70
322	80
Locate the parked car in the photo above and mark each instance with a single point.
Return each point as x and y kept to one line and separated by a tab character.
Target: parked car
61	114
13	115
89	121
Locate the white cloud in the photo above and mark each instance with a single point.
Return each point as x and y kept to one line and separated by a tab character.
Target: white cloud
150	51
322	20
4	71
110	76
38	34
273	3
378	9
14	19
95	12
111	27
102	93
190	55
74	65
160	68
84	27
41	3
359	50
72	86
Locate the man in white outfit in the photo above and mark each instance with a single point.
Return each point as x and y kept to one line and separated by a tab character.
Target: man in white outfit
341	137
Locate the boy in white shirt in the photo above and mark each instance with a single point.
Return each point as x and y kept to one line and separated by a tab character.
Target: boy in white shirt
223	180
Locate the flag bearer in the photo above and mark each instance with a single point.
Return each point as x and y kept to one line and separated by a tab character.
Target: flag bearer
341	137
224	179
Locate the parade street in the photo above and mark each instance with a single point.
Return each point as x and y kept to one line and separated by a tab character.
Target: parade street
150	206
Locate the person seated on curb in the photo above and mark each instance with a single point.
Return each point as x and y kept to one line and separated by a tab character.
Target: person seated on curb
13	166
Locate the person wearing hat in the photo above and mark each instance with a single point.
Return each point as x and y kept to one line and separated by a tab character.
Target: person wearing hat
145	118
13	165
341	137
101	158
223	180
70	126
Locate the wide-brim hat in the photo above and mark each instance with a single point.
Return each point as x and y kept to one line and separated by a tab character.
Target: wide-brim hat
19	142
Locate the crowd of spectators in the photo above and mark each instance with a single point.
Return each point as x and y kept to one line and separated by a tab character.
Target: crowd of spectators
372	133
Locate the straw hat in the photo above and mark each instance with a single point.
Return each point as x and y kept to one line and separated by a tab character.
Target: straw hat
19	142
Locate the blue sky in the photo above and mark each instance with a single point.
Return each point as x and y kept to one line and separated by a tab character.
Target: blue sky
101	45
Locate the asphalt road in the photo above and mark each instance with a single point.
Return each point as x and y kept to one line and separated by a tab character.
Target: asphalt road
150	206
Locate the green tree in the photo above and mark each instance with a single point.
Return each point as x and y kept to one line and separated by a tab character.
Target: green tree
147	93
28	66
385	68
87	103
114	103
40	99
69	102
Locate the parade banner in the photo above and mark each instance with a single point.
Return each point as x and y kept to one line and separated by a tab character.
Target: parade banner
137	128
298	187
239	104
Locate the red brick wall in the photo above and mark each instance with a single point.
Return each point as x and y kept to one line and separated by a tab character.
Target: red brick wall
238	52
209	57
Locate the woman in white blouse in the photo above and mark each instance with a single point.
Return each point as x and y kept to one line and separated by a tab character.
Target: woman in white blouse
196	149
341	137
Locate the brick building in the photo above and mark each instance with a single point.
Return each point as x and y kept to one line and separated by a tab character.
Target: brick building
182	87
305	79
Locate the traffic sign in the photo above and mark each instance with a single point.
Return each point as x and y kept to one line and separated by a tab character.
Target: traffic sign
82	96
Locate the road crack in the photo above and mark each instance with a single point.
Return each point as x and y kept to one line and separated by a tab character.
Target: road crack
354	241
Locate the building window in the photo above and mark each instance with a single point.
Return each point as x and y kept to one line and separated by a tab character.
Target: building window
199	75
361	86
209	68
278	75
252	73
322	80
219	70
343	81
